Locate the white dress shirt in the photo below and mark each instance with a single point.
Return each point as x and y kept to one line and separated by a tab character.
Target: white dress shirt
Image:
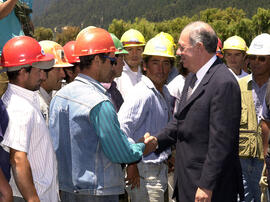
27	132
243	74
175	88
202	71
44	100
128	80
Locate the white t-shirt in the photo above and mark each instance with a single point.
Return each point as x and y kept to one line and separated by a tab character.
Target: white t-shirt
128	80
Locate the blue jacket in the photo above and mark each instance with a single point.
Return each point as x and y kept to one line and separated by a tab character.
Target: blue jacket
83	166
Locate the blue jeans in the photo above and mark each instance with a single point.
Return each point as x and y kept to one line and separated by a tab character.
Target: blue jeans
251	170
72	197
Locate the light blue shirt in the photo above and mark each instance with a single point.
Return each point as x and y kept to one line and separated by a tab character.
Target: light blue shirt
146	110
10	27
258	94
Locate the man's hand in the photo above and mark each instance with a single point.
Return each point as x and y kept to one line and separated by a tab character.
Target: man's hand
150	144
133	176
203	195
22	173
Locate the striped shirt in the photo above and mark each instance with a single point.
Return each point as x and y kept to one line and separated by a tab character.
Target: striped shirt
44	100
27	132
148	111
114	142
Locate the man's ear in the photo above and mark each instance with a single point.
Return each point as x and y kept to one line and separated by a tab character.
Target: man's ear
200	46
97	59
23	72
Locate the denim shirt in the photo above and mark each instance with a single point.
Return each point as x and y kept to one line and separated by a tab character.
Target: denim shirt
83	166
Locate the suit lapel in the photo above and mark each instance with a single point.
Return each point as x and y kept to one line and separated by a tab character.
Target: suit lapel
200	89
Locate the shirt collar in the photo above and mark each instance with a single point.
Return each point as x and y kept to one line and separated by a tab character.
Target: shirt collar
47	97
127	68
88	80
31	96
202	71
151	85
254	82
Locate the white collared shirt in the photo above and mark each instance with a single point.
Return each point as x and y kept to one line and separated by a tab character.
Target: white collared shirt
128	80
202	71
44	100
27	132
243	74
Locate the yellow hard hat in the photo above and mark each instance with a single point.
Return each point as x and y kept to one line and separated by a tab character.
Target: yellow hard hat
57	51
132	37
167	36
159	46
235	43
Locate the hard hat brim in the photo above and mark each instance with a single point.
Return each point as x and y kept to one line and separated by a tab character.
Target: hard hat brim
123	51
159	54
44	64
256	52
45	61
63	65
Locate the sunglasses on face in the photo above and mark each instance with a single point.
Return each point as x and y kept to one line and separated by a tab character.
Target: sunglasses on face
255	57
112	60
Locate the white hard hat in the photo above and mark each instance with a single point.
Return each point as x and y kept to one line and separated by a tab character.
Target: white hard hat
260	45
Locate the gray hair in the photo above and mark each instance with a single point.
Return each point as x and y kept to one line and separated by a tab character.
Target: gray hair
202	32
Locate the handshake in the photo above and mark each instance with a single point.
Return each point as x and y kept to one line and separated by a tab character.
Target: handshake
150	143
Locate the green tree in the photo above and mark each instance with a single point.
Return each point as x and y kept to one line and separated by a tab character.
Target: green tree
42	33
68	33
261	21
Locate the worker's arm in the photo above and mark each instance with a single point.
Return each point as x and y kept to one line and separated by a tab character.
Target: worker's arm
23	175
114	142
6	7
265	134
5	189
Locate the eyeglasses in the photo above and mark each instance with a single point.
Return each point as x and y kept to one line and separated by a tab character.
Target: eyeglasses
260	58
113	60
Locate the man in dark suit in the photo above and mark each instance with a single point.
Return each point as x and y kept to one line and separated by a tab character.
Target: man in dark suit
206	127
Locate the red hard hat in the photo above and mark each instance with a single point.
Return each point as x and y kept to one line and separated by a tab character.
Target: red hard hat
22	51
69	52
93	41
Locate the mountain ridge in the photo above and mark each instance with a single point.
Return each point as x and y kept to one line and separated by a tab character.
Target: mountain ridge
82	13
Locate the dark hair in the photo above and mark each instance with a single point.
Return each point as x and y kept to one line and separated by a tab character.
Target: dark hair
86	61
204	33
146	58
13	75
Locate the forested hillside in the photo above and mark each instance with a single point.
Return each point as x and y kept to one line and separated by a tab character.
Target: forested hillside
58	13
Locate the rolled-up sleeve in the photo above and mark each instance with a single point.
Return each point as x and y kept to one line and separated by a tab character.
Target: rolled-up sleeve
114	142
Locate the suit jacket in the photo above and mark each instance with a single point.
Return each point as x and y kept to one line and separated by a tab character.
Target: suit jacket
206	133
